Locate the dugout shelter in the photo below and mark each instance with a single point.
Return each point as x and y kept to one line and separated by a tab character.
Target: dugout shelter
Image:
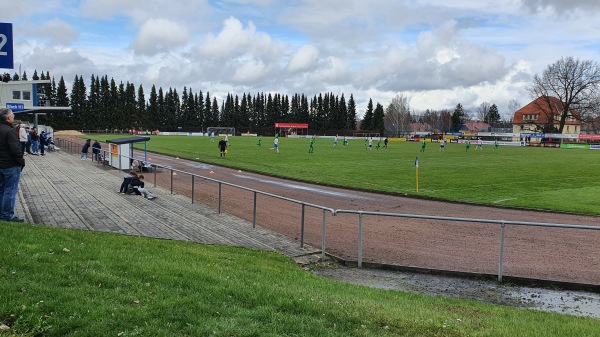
293	129
121	151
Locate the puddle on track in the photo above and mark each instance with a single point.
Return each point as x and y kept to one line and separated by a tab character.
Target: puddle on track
578	303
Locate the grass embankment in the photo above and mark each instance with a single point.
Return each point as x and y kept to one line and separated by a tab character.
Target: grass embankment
540	178
57	282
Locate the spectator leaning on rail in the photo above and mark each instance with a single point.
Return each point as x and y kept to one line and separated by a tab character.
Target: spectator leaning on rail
96	150
11	164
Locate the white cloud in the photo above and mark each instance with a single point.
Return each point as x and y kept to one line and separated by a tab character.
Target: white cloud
441	53
235	39
58	31
304	59
160	36
249	72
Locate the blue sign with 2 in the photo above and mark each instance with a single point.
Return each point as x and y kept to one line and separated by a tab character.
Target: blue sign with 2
6	46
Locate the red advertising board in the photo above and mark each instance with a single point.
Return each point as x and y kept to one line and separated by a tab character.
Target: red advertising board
589	137
291	125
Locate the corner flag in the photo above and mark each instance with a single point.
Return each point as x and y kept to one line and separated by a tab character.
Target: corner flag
417	172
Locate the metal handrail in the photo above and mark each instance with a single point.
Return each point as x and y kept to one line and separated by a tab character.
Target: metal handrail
502	223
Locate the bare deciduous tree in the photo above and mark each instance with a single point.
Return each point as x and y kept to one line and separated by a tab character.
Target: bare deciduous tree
397	115
482	111
513	106
573	82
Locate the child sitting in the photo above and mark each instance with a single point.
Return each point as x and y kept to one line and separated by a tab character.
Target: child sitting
138	186
126	181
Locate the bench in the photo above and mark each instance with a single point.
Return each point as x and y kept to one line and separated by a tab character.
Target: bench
144	166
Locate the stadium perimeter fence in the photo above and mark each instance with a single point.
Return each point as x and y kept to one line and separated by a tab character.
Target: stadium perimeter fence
495	259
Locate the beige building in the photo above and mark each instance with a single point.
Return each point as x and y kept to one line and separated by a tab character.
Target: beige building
533	117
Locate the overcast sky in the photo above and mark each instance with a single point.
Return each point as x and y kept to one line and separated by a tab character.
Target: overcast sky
436	52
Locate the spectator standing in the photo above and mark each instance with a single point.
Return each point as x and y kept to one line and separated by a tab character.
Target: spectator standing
43	141
85	149
35	141
23	138
96	147
29	141
11	165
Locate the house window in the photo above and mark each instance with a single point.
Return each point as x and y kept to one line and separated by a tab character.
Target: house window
567	128
27	95
16	95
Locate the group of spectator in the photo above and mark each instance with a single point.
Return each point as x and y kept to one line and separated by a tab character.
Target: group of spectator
31	142
96	147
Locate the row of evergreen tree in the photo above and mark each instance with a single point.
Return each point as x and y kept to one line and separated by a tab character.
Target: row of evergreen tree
109	106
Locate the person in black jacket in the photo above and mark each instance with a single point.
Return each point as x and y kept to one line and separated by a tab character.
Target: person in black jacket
85	149
96	150
223	147
137	182
11	165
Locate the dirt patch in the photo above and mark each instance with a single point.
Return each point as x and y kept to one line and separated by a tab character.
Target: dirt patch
63	133
578	303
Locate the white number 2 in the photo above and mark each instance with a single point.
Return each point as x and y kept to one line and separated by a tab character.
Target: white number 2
3	40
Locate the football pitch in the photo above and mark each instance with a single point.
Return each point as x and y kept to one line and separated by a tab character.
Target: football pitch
563	180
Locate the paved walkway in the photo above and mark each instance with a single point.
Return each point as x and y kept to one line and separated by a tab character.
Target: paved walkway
60	190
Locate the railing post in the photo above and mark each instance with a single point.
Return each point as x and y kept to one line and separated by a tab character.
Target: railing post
219	209
171	181
192	188
254	212
323	239
155	169
360	238
302	228
501	263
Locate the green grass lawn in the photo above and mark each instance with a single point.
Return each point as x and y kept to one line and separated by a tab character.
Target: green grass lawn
541	178
58	282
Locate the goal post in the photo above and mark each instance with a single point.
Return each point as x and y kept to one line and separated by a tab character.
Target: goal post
221	130
366	134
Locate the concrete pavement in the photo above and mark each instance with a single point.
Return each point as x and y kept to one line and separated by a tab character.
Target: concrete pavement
61	190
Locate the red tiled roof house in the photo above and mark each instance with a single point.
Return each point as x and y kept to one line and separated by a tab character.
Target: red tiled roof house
543	112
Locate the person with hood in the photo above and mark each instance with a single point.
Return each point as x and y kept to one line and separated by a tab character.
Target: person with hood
85	149
43	141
